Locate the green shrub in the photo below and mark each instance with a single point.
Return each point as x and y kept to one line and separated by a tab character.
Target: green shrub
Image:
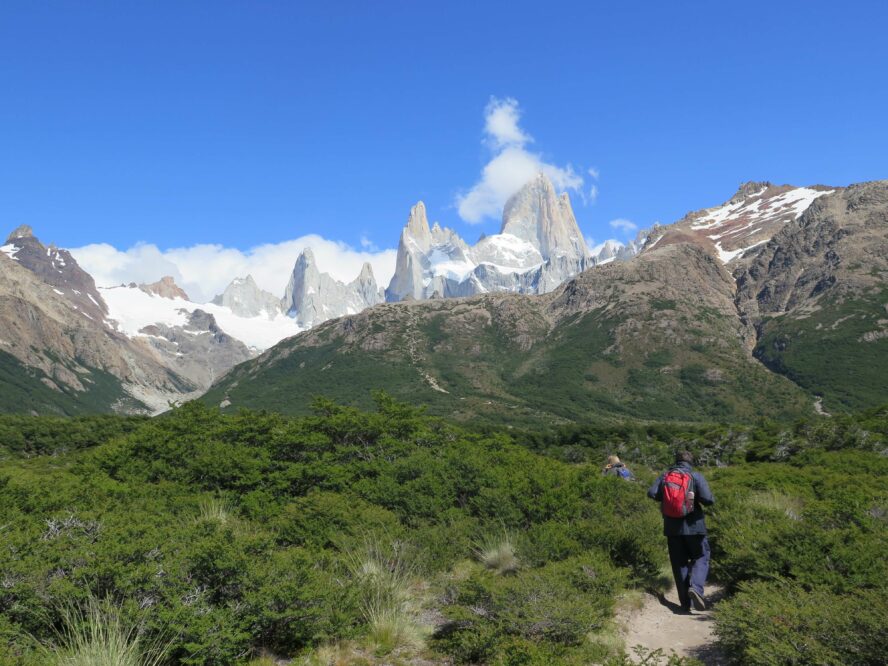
559	603
769	623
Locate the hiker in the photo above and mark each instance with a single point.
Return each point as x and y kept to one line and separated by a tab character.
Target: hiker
682	493
616	468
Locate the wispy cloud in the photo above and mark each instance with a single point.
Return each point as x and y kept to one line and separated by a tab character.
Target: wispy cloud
593	188
511	166
624	225
205	270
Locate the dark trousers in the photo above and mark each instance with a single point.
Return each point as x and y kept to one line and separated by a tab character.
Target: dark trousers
689	556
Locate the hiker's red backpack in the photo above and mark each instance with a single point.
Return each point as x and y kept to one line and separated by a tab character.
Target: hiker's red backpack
678	493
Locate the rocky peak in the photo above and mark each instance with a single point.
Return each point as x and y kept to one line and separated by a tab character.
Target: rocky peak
166	287
749	189
539	246
417	228
313	297
58	269
306	257
538	215
524	209
23	231
245	299
608	251
366	273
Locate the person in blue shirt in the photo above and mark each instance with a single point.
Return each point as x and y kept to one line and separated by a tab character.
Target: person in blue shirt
686	537
615	467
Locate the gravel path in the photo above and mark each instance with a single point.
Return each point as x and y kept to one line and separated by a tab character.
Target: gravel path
657	626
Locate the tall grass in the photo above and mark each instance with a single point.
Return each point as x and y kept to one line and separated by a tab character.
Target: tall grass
498	552
97	635
388	606
790	506
215	510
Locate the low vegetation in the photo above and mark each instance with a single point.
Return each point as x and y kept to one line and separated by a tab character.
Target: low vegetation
391	537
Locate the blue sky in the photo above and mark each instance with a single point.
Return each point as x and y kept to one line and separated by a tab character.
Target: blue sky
242	123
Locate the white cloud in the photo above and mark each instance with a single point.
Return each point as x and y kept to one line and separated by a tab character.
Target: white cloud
205	270
594	173
511	166
624	225
501	124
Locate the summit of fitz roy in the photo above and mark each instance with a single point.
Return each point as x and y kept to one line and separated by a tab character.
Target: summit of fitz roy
73	346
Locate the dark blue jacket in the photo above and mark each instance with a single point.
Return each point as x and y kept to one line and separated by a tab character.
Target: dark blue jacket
694	522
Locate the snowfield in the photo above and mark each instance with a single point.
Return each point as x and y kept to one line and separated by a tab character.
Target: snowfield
131	309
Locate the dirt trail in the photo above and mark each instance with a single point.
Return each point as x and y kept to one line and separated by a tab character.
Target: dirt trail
657	626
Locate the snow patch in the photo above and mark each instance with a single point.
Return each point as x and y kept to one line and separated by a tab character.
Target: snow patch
10	250
794	202
727	256
133	309
442	264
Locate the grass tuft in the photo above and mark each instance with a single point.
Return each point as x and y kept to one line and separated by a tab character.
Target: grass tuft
498	552
215	510
97	635
388	606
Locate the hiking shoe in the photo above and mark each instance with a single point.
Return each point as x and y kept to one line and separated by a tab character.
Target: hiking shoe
697	599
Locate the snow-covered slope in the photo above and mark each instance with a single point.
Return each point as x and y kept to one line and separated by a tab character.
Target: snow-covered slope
748	220
131	309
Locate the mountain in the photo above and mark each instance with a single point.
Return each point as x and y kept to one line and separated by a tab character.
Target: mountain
57	269
197	348
69	347
132	308
754	307
746	310
656	337
538	247
57	351
245	299
313	297
749	219
817	293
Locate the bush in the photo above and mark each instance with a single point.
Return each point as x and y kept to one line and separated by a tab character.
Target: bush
559	603
770	623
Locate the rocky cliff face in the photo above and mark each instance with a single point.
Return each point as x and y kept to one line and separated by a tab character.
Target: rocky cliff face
820	254
313	297
817	295
245	299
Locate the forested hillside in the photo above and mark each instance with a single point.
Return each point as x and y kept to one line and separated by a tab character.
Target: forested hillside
391	537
